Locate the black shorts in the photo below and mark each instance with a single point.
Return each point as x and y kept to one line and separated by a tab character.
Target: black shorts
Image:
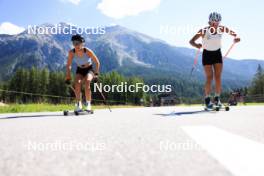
212	57
84	71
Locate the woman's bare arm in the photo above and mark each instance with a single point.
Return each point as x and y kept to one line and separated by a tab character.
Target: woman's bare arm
196	37
68	66
230	32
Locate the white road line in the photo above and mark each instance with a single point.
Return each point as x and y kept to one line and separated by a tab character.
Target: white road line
241	156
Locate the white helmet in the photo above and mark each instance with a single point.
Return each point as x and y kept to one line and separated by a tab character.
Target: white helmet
214	16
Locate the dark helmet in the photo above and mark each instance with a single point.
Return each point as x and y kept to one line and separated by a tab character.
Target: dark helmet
78	38
214	16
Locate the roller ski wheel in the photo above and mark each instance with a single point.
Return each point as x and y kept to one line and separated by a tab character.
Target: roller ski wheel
65	113
77	112
89	111
227	108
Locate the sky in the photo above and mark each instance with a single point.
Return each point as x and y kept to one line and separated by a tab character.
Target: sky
174	21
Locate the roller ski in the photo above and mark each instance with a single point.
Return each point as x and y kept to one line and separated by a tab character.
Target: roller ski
216	106
222	107
83	112
79	111
219	106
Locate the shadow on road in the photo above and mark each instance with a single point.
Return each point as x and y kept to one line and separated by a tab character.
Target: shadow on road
185	113
29	116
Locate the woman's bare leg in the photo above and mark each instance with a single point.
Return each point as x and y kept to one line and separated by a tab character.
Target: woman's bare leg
208	70
217	76
88	93
78	86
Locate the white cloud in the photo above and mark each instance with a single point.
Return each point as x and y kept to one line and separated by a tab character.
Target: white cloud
75	2
9	28
121	8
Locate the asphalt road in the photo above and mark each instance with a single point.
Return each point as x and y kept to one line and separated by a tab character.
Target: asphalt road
164	141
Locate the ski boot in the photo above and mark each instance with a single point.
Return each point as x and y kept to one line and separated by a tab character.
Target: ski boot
217	102
88	107
78	108
208	104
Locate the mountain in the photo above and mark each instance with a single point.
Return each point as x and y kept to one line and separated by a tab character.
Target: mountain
121	49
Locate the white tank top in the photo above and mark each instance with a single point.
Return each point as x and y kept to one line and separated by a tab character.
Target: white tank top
212	42
82	60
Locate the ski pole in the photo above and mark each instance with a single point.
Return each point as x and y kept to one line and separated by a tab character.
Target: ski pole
228	51
102	95
71	87
195	61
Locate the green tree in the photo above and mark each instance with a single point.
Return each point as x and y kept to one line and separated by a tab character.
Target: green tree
44	83
257	85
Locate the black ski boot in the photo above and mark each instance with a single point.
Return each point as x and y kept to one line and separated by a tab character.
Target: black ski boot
208	103
217	101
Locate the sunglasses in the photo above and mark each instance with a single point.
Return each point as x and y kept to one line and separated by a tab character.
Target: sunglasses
76	43
214	22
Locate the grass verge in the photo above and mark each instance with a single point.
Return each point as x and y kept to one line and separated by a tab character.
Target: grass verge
18	108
